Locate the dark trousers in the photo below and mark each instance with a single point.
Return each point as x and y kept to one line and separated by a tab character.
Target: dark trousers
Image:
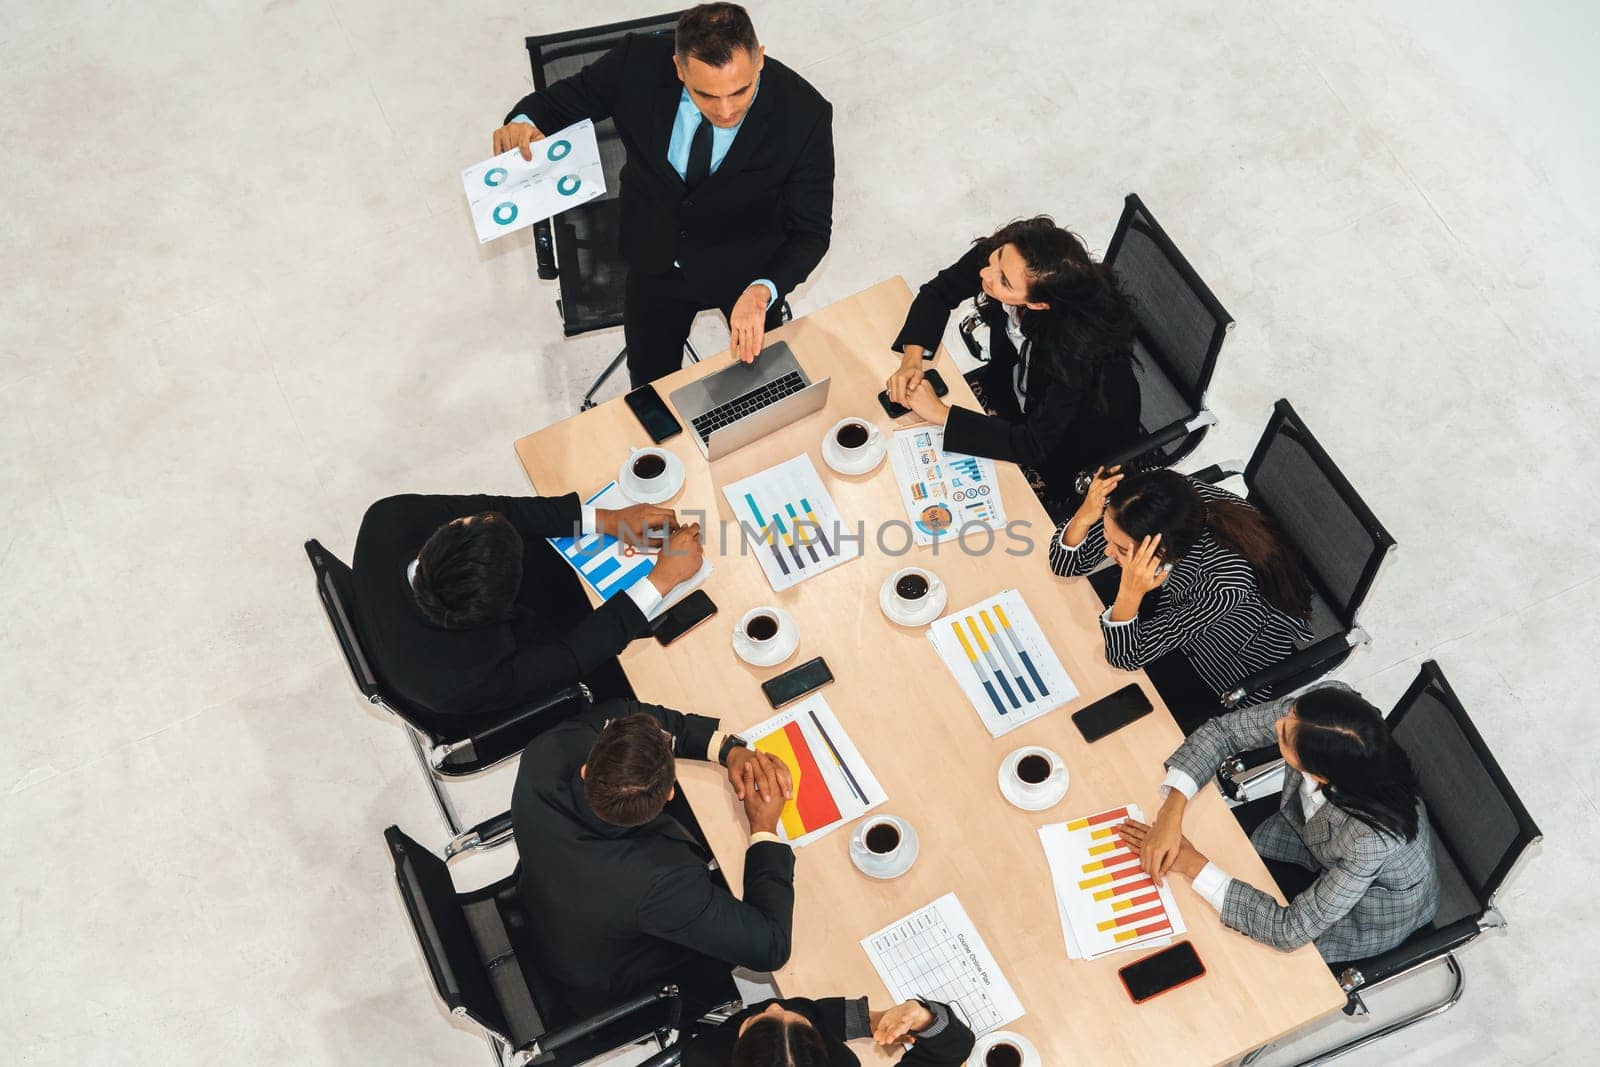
1187	695
657	311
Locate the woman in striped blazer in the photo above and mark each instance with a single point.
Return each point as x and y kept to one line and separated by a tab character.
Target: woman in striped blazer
1204	574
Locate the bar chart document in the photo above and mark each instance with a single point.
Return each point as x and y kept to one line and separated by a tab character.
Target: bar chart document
1107	903
935	953
832	783
507	193
790	522
1002	662
608	566
943	492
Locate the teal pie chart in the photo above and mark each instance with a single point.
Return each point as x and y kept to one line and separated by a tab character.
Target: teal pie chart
558	151
505	214
568	184
495	176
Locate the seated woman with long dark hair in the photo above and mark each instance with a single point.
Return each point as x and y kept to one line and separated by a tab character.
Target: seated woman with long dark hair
1204	574
1348	843
812	1033
1058	391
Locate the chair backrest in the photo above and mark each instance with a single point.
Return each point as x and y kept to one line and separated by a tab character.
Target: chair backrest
1181	323
336	587
1478	820
1291	478
443	934
586	237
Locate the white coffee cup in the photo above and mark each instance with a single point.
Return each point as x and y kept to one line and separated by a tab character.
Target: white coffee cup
1036	772
906	588
649	468
883	846
768	625
859	437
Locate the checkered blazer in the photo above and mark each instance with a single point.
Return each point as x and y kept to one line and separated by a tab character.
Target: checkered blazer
1374	889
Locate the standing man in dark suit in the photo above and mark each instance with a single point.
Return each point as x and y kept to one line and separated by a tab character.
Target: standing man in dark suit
620	897
727	192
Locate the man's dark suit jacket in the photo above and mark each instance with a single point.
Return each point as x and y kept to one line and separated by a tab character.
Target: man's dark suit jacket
767	210
832	1018
616	910
1063	429
553	638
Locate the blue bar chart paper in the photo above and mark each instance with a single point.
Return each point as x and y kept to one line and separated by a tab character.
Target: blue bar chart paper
608	566
943	492
791	524
1002	661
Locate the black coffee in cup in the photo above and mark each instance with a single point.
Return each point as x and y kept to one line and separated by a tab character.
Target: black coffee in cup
883	838
1005	1054
761	628
649	466
1033	768
911	587
851	435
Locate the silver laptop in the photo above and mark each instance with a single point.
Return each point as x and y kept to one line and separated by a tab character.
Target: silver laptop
742	403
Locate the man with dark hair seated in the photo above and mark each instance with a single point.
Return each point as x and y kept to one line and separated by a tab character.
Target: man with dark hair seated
619	895
812	1033
467	610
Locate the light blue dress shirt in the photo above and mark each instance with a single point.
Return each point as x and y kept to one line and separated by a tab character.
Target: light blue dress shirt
684	123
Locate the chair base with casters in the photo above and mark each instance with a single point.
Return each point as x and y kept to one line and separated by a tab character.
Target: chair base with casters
443	749
1481	832
480	956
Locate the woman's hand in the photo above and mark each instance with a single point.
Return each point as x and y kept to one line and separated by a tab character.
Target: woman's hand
1143	572
1160	847
1094	504
1188	862
926	403
895	1025
907	377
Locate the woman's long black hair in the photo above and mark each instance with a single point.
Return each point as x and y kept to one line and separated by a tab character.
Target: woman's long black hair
770	1043
1340	737
1089	322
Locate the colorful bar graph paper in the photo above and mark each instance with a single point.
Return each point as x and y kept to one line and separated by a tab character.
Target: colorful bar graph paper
1106	900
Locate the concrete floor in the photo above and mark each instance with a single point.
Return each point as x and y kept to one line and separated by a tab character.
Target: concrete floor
240	298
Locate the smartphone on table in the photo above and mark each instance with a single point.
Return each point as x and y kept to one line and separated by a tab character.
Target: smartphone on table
931	376
653	413
683	616
1110	714
796	682
1162	971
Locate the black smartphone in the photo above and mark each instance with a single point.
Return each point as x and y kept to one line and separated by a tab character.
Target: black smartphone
894	411
1161	971
1110	714
653	414
683	616
796	682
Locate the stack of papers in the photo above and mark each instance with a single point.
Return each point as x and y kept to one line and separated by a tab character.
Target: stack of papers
608	566
1001	660
944	493
507	193
1107	903
936	953
832	783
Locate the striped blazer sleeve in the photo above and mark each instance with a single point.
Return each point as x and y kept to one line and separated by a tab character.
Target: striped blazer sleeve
1132	644
1331	897
1203	751
1068	562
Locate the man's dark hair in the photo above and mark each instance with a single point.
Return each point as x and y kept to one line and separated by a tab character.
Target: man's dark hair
630	771
770	1043
712	32
468	573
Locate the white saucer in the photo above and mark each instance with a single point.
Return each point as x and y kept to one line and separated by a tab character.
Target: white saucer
672	481
1009	790
909	847
868	461
932	607
1030	1055
783	646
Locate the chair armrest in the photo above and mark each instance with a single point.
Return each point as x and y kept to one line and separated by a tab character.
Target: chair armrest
1293	664
490	833
566	1035
543	708
1169	433
544	250
1244	769
1219	472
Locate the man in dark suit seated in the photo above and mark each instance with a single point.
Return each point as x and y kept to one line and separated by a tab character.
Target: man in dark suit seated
727	193
619	896
468	611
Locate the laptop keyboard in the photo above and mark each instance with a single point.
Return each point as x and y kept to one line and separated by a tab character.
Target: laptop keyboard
750	402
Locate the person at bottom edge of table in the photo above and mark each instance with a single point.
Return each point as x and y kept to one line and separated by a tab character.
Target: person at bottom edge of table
1059	390
1349	815
621	897
1203	575
727	192
468	611
795	1032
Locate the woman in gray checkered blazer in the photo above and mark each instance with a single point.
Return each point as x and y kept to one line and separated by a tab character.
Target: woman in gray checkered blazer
1349	813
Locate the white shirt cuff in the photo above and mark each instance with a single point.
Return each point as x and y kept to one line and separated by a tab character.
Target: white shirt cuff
1212	884
715	744
762	835
645	594
1106	620
1061	540
1176	779
586	524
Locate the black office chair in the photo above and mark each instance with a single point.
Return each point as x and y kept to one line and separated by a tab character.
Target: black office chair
480	957
1480	832
444	746
1181	329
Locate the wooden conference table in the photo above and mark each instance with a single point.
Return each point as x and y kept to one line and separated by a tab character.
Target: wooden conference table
925	744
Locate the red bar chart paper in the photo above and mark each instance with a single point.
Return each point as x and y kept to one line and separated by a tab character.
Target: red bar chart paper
832	782
1107	902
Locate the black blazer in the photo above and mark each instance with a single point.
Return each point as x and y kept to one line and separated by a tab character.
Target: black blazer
1063	429
615	911
767	211
453	677
838	1020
